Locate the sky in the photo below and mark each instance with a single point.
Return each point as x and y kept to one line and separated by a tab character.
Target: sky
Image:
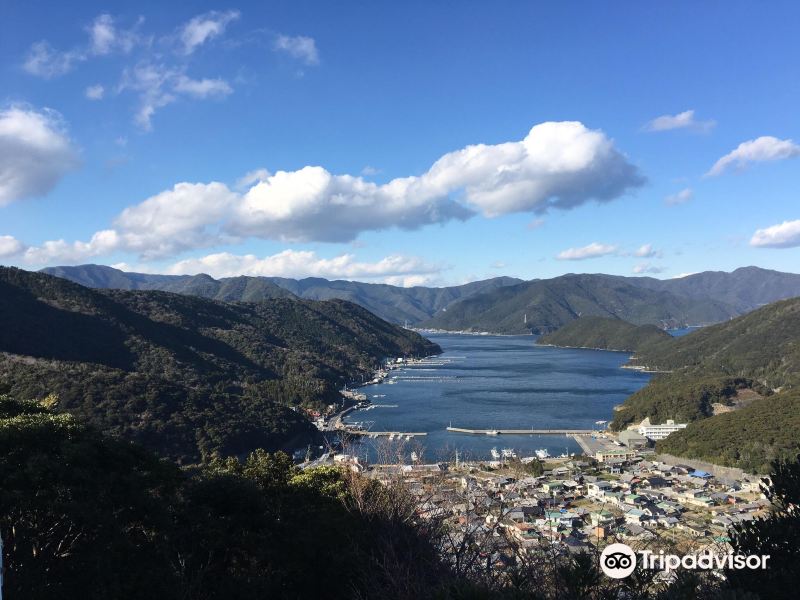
412	143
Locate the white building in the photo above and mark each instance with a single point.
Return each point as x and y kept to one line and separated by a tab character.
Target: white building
659	432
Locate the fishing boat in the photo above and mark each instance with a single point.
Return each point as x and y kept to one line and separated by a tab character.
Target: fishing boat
508	453
495	454
542	453
492	432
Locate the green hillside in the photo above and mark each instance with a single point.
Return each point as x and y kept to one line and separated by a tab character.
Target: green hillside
185	375
763	345
603	333
749	438
544	305
756	356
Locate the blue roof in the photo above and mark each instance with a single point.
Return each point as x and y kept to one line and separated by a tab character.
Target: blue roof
699	473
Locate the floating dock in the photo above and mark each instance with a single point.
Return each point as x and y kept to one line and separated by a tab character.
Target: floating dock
523	431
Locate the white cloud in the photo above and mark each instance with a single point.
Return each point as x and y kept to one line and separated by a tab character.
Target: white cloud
783	235
647	268
159	86
593	250
304	263
95	92
35	153
765	148
557	165
684	120
46	62
205	27
251	178
300	47
10	246
202	88
61	252
647	251
313	204
681	197
105	37
175	220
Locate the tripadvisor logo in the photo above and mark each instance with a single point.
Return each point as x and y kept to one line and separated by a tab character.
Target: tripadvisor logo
619	560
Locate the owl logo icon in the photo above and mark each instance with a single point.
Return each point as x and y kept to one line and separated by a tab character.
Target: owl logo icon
618	561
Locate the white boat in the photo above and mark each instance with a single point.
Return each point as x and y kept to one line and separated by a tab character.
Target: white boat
492	432
542	453
508	453
414	457
495	454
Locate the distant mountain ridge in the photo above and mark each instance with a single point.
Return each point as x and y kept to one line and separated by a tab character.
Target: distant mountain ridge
391	303
500	304
543	305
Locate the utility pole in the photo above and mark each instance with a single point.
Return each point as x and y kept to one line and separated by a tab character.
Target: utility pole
1	565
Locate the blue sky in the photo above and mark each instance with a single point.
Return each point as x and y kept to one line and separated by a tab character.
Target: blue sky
412	142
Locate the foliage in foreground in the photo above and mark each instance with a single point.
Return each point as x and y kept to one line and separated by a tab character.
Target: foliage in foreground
86	516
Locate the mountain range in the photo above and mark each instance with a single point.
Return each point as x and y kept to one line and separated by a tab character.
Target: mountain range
500	305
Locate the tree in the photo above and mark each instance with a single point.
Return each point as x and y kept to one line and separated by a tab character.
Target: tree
776	535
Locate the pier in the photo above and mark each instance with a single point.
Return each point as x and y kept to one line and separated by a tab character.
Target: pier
523	431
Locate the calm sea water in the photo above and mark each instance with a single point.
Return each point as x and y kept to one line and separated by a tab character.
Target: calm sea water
498	382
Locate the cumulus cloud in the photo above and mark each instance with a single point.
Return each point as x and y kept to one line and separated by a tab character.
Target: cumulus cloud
304	263
61	251
174	220
313	204
10	246
646	251
684	120
765	148
95	92
783	235
251	178
681	197
35	153
557	165
205	27
300	47
593	250
646	267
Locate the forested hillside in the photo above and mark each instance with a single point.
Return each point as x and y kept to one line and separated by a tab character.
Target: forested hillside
185	375
544	305
603	333
756	356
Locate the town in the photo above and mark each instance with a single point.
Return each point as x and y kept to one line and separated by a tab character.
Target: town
619	489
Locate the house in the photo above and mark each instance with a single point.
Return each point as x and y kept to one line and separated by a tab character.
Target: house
602	518
598	489
635	516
